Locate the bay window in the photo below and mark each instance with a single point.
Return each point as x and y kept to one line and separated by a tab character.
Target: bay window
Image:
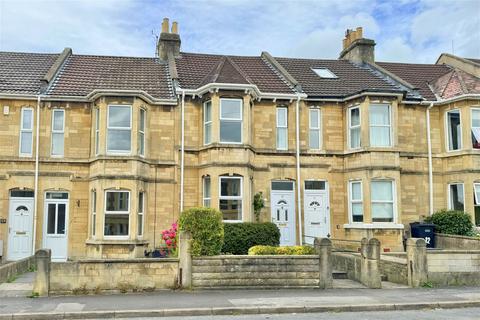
230	200
97	131
354	128
282	129
26	132
456	197
356	201
382	201
380	125
314	138
230	120
141	132
119	129
206	191
58	132
476	128
117	213
207	122
454	130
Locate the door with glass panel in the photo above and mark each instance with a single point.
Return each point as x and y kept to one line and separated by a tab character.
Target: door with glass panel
55	235
282	203
20	224
317	218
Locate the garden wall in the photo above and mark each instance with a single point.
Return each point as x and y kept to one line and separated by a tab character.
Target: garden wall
454	267
11	269
453	242
114	275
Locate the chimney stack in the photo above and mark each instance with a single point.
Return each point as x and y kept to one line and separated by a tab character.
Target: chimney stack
169	41
356	48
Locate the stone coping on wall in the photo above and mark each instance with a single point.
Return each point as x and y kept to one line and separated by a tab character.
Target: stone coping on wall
457	236
395	259
311	256
451	251
121	260
379	225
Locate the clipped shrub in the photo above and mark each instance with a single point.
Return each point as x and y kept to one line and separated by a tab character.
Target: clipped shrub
288	250
206	227
239	237
452	222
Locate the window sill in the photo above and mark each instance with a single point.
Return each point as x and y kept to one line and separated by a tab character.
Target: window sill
377	225
116	242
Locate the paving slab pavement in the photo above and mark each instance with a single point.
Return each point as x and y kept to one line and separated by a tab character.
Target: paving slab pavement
22	286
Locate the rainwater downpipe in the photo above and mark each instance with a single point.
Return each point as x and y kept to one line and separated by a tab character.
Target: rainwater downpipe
297	138
430	166
35	188
182	152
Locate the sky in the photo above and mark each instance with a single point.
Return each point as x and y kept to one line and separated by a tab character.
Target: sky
404	30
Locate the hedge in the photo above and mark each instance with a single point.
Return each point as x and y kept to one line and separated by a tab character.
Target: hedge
452	222
239	237
206	227
270	250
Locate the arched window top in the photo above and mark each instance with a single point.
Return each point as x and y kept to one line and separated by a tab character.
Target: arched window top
21	208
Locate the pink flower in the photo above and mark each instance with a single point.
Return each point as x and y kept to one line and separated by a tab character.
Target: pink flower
168	242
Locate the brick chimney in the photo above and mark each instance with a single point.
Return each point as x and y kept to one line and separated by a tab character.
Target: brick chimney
356	48
169	41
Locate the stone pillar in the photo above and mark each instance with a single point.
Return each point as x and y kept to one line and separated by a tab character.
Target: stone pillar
41	286
370	264
417	262
323	246
185	259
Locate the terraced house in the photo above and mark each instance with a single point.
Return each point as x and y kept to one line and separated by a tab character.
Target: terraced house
99	154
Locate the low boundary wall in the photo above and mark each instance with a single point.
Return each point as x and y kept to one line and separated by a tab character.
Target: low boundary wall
11	269
453	242
454	267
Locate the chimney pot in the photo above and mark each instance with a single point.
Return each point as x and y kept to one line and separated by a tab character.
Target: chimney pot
165	25
175	27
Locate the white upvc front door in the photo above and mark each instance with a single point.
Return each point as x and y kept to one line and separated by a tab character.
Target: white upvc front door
20	226
282	203
316	208
55	231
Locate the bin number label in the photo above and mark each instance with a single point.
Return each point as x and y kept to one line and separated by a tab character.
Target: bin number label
427	240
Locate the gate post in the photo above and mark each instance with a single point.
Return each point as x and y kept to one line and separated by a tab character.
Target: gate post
417	263
370	269
41	285
185	260
323	247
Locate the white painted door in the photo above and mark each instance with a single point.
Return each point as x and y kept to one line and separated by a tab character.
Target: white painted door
316	208
20	226
282	202
55	233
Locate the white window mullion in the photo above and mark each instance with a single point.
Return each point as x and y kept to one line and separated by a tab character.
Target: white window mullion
231	204
58	132
282	128
207	122
354	128
26	132
315	134
97	131
141	132
119	129
380	117
356	201
231	120
206	191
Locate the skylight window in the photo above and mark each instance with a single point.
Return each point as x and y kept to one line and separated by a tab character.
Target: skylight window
324	73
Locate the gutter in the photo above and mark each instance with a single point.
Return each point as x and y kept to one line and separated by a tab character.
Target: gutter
297	144
430	166
35	192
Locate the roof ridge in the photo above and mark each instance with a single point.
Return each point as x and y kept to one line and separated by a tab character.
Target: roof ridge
281	72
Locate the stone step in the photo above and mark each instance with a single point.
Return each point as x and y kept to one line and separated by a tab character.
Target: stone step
255	268
248	260
255	287
255	275
339	274
254	282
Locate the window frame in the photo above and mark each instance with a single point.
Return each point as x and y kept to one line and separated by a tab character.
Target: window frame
390	127
142	133
94	214
207	123
447	131
105	213
281	126
97	131
118	152
26	130
476	197
53	131
351	201
449	190
318	129
394	201
204	197
240	197
231	120
472	110
141	213
350	127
